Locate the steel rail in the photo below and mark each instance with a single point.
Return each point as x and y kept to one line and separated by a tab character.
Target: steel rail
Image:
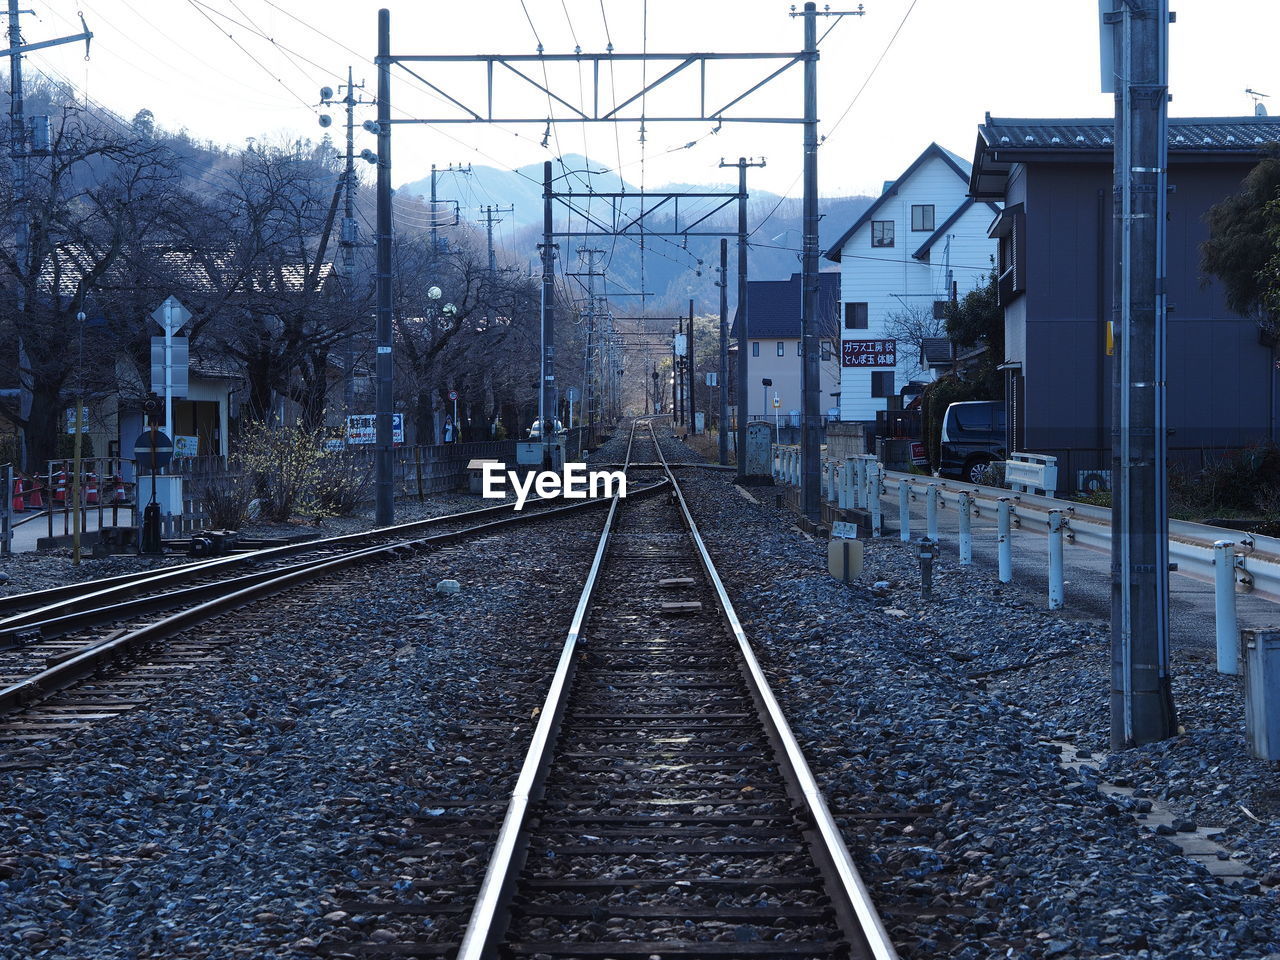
235	594
508	851
483	928
62	599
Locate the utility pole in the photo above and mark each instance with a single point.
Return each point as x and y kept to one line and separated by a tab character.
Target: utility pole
693	422
385	492
591	256
490	220
740	397
1142	707
723	284
810	379
547	378
675	382
435	226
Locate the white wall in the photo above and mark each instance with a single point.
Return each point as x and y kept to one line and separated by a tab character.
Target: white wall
785	372
888	279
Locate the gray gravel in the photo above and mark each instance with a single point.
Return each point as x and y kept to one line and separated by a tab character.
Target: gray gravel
1006	854
216	820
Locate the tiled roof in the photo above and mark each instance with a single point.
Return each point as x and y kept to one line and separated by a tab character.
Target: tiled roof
1003	141
775	307
1191	134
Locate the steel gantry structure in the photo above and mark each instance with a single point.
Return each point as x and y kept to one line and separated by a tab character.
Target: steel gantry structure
626	109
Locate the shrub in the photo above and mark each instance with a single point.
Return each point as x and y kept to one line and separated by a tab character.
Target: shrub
992	474
284	466
346	478
226	499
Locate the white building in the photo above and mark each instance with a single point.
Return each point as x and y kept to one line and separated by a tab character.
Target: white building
921	243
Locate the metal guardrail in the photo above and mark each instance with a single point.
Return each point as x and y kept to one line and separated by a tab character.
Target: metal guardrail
1196	550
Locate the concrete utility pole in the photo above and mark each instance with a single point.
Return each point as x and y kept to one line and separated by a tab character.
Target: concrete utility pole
1141	696
693	424
811	379
490	220
547	378
723	284
744	345
591	256
435	224
384	480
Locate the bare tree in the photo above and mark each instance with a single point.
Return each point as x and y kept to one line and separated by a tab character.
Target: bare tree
911	326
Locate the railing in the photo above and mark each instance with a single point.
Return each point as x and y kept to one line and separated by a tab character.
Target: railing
1231	561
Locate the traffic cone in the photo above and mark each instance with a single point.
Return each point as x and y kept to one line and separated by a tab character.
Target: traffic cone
121	494
19	506
31	488
60	487
91	489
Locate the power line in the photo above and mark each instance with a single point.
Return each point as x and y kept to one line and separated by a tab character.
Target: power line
874	67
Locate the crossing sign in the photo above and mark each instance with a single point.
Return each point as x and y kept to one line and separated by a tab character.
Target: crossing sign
142	451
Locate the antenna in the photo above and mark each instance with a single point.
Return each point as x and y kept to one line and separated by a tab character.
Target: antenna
1259	108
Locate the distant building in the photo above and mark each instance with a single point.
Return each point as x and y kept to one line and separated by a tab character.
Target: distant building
922	242
1056	251
773	344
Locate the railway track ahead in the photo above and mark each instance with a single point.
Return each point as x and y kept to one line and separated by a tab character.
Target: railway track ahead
65	636
664	809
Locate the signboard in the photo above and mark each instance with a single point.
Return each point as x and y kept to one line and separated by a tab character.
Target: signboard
179	360
186	446
363	428
453	394
713	379
171	315
777	401
71	419
571	394
681	345
869	353
142	451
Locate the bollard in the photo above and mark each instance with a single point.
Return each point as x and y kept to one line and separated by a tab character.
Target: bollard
1004	543
904	511
931	512
1224	604
963	507
926	550
1056	524
875	470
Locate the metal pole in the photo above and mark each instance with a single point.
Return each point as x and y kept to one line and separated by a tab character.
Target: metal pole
693	423
1224	604
1142	707
1056	524
547	375
1004	543
811	434
964	508
435	230
904	511
168	368
75	483
6	538
384	480
724	354
18	154
931	512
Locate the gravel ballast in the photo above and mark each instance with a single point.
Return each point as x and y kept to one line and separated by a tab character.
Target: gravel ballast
1000	852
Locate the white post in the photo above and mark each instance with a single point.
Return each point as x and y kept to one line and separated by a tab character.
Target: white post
1224	603
1055	559
876	471
850	488
963	508
931	512
1004	542
168	368
904	511
859	483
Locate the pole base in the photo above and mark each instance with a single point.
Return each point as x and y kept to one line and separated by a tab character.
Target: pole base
151	531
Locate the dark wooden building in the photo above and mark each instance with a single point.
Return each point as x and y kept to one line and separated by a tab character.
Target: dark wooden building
1054	178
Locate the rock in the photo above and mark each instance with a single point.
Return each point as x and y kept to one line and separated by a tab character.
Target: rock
448	587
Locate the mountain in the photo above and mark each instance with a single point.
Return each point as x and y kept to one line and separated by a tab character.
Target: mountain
671	271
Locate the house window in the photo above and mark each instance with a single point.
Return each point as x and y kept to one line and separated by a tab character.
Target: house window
799	348
855	316
826	351
882	383
782	349
882	233
922	217
755	348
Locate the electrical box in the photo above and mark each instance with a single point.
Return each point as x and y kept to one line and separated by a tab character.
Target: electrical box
350	234
41	136
1260	656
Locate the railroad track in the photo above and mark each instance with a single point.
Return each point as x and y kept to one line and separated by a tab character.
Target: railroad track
664	808
66	636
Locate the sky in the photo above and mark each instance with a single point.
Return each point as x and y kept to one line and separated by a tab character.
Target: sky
226	70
